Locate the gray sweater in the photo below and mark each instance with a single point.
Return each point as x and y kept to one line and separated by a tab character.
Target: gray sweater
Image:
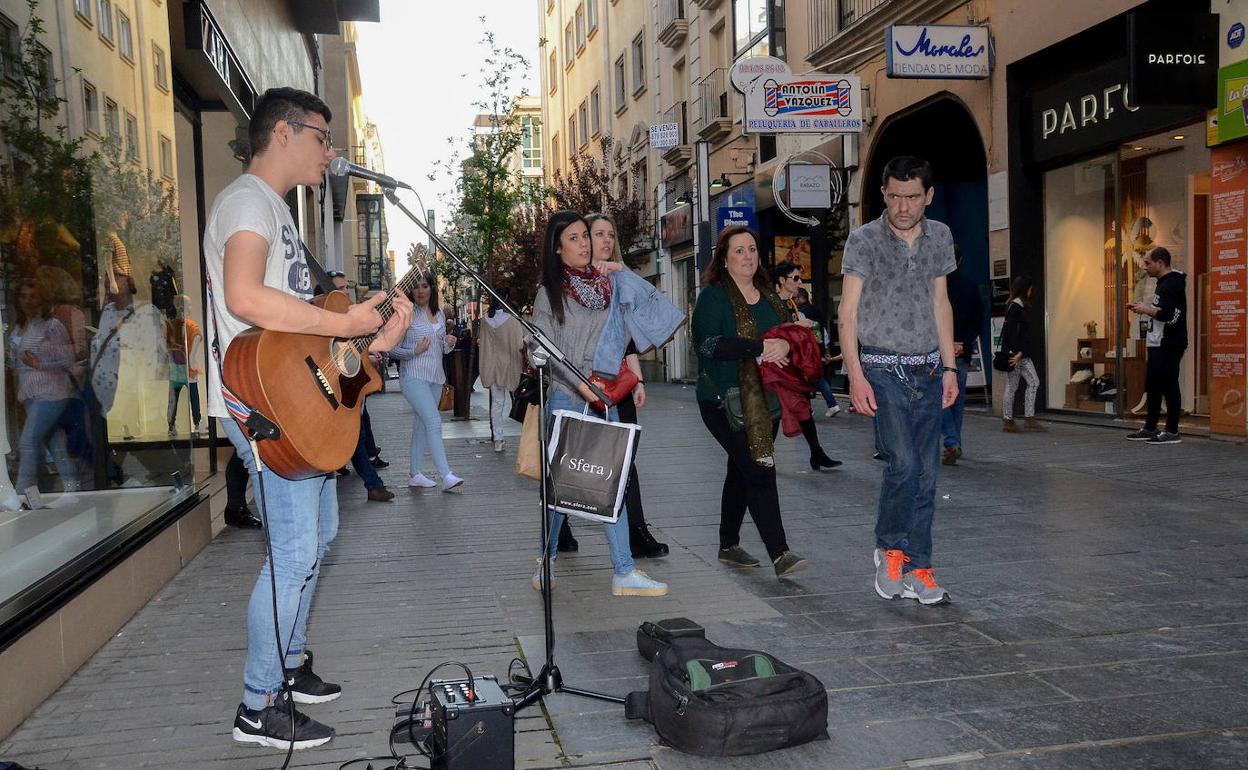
577	337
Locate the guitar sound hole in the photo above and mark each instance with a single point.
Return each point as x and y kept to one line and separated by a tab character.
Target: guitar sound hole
346	358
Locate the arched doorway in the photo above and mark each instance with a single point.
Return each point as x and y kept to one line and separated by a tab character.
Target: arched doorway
942	131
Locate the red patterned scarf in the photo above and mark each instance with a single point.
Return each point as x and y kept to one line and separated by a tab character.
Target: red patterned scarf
587	286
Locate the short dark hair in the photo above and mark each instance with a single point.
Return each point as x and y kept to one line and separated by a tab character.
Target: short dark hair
785	269
903	168
1160	254
278	104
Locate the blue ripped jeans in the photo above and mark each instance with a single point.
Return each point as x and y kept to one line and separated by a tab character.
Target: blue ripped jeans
617	532
907	422
302	519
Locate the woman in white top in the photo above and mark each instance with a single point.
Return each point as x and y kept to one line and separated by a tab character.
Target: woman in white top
421	379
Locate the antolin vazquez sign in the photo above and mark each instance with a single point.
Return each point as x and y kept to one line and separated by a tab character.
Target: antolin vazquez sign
938	51
804	104
1174	58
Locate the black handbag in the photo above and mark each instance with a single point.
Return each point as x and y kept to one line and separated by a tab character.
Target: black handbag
524	394
1001	361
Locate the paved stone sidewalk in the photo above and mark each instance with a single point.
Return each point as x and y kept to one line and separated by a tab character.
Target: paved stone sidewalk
1099	615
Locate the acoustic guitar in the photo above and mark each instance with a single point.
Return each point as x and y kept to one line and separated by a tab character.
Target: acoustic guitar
312	387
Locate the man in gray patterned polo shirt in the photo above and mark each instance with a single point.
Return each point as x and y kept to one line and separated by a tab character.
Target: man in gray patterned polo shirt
896	331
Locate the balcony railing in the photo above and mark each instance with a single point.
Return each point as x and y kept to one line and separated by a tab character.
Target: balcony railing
851	11
673	24
829	19
714	118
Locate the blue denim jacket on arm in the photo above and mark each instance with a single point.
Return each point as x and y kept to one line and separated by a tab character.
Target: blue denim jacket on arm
638	312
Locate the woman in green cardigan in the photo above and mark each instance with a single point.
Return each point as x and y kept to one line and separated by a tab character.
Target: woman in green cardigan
736	306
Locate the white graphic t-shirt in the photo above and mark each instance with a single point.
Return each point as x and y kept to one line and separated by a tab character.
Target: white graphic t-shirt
248	204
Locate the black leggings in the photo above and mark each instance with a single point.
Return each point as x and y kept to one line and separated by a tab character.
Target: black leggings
747	485
1161	380
627	411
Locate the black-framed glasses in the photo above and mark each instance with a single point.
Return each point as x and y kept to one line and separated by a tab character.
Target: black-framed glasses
336	274
326	141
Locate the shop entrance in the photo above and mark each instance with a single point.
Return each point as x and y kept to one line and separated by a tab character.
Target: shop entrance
1101	217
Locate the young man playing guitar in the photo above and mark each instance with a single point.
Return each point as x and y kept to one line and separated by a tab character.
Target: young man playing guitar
258	276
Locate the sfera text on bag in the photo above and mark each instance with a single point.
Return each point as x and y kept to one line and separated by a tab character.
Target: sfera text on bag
584	466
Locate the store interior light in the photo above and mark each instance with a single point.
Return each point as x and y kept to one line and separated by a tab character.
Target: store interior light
721	182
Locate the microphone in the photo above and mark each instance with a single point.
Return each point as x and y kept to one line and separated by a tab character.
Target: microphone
340	166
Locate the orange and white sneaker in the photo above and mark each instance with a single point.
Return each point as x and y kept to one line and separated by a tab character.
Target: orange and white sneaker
888	564
921	584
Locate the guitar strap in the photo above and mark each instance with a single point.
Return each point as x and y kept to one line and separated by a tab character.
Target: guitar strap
237	407
322	278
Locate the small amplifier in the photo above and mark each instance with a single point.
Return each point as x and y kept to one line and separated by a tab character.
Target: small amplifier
463	728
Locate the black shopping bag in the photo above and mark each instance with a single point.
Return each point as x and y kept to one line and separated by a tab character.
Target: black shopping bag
589	461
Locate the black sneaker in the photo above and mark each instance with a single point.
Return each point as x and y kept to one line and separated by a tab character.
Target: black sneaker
1166	437
379	463
270	726
307	687
643	545
1143	434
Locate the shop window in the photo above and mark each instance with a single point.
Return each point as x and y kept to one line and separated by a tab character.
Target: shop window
639	63
125	37
132	137
105	8
160	72
90	108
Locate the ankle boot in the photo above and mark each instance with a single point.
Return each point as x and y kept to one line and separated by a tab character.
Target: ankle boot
567	543
819	459
1009	426
1031	423
643	545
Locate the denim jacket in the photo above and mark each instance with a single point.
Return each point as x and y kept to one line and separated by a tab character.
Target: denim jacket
638	312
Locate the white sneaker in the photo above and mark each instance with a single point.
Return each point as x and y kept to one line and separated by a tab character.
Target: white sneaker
498	444
421	480
637	583
450	482
537	575
833	411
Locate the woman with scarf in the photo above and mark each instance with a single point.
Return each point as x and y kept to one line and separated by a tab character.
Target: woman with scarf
736	306
572	308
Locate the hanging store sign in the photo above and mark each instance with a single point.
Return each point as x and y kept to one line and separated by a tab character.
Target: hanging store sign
810	186
1174	58
677	226
205	38
804	104
945	51
1232	111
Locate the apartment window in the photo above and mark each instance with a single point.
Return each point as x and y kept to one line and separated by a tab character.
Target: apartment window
591	15
90	108
47	73
571	135
132	137
758	28
595	111
83	9
159	71
580	27
554	149
531	142
568	50
112	119
125	38
583	113
621	87
166	157
639	63
105	7
552	71
10	48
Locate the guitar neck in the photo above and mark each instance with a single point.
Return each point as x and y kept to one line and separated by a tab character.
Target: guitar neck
386	308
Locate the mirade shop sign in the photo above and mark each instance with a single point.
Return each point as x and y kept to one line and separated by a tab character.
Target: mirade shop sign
1090	111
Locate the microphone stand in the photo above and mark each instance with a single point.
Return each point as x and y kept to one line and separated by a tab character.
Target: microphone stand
548	680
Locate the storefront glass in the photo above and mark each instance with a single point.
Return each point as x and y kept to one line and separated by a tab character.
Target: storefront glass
1101	217
101	354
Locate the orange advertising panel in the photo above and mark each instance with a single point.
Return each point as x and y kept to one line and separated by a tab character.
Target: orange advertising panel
1228	267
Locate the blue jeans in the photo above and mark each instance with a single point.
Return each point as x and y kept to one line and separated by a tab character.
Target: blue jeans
951	418
43	429
363	464
825	390
301	519
426	425
907	423
617	532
